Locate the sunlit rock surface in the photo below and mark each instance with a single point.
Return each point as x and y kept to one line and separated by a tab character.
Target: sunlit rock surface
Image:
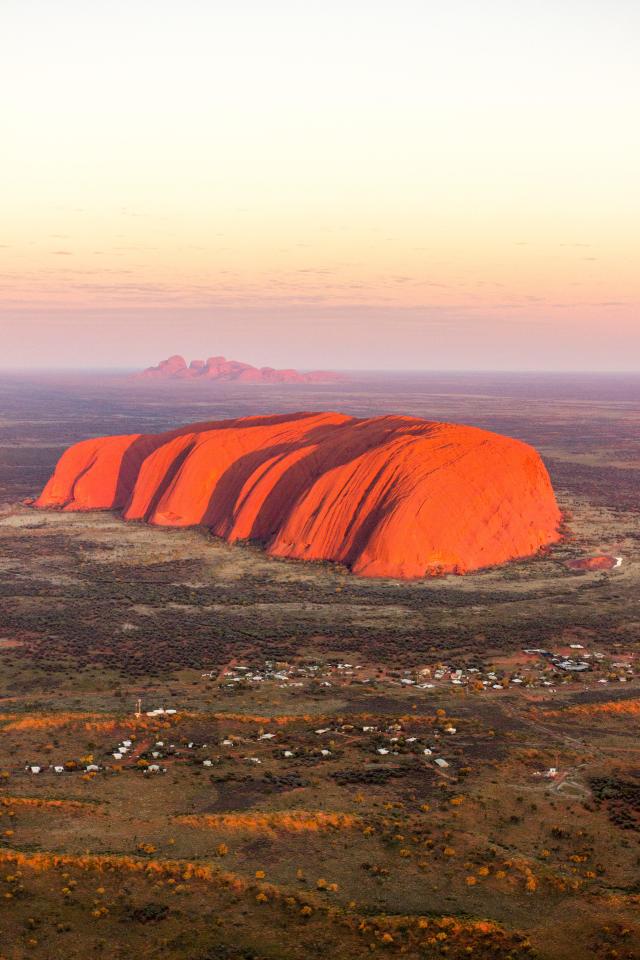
388	496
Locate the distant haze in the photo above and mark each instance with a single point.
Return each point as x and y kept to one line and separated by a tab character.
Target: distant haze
382	185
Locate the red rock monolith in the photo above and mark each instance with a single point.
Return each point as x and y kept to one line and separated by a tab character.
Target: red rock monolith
388	496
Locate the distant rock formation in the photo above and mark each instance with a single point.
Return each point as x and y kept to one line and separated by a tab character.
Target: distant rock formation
219	368
388	496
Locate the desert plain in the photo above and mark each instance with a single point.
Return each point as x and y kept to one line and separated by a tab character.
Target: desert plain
208	752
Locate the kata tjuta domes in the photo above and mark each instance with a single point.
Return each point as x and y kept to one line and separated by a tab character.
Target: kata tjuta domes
387	496
219	368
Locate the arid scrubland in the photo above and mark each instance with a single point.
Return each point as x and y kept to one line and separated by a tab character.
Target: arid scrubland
209	754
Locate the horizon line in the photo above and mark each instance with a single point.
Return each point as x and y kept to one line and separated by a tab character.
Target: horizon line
357	370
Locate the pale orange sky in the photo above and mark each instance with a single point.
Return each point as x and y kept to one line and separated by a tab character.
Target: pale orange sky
361	184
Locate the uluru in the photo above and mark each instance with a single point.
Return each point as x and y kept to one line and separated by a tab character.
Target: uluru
219	368
388	496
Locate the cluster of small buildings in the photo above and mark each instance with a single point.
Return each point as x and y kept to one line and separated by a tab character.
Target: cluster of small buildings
284	674
595	663
35	768
284	747
122	750
546	673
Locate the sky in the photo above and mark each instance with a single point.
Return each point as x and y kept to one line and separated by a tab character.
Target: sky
356	184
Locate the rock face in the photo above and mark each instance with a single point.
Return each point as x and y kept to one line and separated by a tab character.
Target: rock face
219	368
387	496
